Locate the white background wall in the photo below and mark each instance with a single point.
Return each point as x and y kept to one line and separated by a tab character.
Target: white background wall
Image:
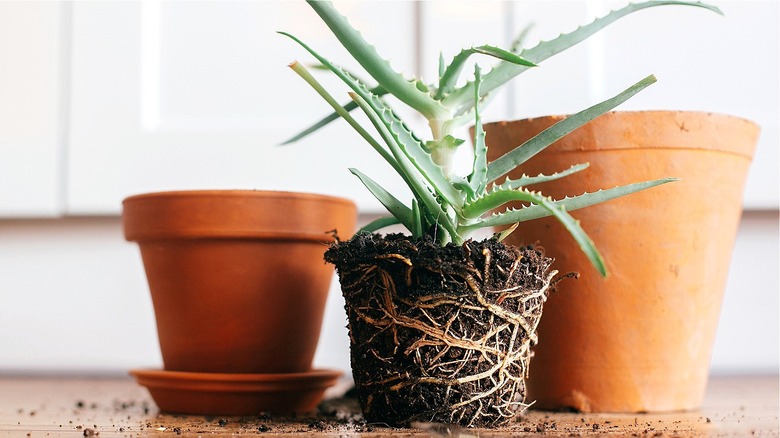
73	142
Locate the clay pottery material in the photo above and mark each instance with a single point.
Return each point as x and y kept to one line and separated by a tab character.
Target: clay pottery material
641	339
236	394
237	278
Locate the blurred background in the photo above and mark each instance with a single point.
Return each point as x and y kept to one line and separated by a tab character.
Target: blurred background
100	100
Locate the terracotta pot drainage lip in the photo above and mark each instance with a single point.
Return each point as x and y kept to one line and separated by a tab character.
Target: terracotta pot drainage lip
236	394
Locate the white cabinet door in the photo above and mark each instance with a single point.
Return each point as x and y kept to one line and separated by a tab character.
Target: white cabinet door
189	95
31	110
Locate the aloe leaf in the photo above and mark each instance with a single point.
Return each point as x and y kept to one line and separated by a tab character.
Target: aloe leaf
519	155
355	84
497	198
351	105
413	145
525	180
340	72
569	203
448	142
503	234
358	87
378	224
391	203
505	71
478	177
417	223
489	201
575	229
341	111
449	77
414	178
518	42
322	122
464	186
410	179
412	148
376	66
465	116
442	152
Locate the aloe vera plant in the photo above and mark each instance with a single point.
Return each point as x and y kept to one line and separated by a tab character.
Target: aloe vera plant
449	206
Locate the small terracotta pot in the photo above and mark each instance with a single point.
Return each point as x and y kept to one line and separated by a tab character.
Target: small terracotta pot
641	339
237	278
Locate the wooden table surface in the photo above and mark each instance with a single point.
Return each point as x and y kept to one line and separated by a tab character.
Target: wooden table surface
116	406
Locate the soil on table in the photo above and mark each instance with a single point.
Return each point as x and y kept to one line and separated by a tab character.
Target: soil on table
440	333
338	416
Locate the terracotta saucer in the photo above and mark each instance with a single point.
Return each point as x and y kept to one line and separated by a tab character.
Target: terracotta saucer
235	394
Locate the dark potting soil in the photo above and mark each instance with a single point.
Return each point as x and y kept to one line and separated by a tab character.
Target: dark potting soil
440	333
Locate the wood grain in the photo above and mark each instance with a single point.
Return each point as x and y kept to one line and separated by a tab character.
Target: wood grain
43	406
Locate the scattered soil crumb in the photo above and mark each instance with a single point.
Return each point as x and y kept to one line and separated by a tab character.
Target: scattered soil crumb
342	416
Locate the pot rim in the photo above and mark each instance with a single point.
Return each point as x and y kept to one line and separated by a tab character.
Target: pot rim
251	193
716	131
636	112
236	214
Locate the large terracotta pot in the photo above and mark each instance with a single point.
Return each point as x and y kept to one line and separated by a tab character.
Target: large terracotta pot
640	339
237	278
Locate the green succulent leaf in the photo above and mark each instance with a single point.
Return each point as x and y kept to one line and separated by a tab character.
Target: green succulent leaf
378	224
411	145
448	142
503	234
351	105
413	149
448	206
450	75
415	178
411	178
505	71
498	198
525	181
478	178
341	111
519	155
417	221
492	200
376	66
569	203
517	43
391	203
464	186
575	229
442	153
404	169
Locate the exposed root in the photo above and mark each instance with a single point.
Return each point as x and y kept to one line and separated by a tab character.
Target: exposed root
441	334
